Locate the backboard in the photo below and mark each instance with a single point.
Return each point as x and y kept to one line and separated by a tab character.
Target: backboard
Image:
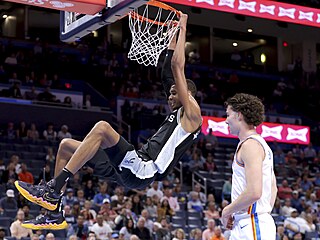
74	26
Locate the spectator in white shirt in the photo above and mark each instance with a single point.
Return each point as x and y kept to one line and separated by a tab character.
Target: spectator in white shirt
295	224
64	133
102	230
154	190
287	208
16	229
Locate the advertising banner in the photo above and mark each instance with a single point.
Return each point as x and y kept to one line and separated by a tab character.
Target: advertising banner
284	133
278	11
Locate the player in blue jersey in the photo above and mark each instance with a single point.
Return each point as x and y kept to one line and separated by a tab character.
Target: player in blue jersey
110	155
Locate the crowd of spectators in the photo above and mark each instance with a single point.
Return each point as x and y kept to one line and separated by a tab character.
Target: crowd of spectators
108	69
171	209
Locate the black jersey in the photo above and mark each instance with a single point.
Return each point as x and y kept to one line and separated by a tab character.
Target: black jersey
168	144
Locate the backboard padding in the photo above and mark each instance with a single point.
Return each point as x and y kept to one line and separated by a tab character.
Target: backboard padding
74	26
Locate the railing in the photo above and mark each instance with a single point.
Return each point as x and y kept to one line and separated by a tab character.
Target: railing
203	185
178	168
123	125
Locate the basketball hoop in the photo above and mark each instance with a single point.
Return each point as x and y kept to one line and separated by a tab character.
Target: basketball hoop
151	36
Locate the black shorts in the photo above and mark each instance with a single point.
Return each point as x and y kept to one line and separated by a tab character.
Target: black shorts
106	163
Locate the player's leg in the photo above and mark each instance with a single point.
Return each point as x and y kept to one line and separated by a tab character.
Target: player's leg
102	135
34	193
49	195
55	219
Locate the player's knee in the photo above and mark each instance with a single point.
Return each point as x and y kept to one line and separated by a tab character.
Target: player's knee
101	128
65	143
66	149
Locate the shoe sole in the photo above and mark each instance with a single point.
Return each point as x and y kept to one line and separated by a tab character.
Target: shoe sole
47	226
37	200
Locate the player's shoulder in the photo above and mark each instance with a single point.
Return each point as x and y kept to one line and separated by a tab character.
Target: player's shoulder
251	143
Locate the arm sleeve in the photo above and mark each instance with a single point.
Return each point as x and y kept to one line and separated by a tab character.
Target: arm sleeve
166	73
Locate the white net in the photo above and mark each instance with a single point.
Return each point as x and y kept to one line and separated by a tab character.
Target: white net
151	36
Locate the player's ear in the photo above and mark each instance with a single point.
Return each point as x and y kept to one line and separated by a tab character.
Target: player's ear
239	116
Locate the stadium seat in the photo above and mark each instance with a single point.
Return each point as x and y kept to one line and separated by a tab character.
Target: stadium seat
227	175
34	207
9	153
179	220
176	226
183	206
216	183
181	213
191	226
220	155
205	174
5	146
194	214
312	235
5	221
2	188
194	221
10	213
220	162
35	148
20	147
28	155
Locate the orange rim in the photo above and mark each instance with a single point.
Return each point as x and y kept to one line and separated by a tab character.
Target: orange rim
155	4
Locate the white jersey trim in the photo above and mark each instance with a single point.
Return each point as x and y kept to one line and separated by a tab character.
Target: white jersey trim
147	169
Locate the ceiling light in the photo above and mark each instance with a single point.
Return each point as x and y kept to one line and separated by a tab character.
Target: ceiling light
250	30
263	58
4	16
235	44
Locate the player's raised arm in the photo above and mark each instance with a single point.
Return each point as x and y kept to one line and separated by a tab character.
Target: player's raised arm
166	72
186	93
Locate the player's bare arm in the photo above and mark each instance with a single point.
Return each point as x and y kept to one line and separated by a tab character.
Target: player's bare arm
251	154
274	190
191	108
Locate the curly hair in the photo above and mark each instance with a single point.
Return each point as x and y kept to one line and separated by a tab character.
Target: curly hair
251	107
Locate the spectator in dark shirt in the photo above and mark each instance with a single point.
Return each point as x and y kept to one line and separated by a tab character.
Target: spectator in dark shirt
8	202
31	94
209	164
22	130
46	95
80	228
295	201
9	175
141	231
14	91
89	190
11	132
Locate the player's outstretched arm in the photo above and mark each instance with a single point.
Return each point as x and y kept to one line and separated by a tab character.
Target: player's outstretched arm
190	105
166	72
